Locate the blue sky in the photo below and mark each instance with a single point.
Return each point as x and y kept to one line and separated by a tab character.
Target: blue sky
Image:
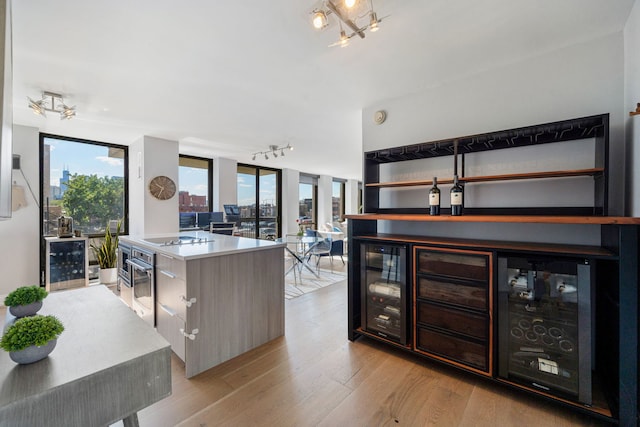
87	159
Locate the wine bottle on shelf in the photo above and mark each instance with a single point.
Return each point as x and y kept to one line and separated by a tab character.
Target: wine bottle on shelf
456	197
434	198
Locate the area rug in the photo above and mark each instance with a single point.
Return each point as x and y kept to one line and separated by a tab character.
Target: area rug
306	282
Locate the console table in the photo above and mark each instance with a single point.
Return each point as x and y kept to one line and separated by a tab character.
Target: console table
107	365
614	296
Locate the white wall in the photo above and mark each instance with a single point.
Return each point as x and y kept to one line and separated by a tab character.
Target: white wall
290	201
632	98
150	157
351	193
325	200
20	235
581	80
225	183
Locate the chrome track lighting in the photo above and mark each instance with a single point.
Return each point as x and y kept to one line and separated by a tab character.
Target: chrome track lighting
273	150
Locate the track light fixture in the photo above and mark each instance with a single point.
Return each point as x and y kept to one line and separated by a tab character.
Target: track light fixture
347	12
53	102
273	150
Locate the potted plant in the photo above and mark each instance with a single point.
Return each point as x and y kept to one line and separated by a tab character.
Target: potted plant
106	255
25	301
30	339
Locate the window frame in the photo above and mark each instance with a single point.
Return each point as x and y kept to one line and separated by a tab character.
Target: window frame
278	173
124	230
209	176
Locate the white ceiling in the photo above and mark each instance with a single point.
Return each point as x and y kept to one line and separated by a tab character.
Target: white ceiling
228	78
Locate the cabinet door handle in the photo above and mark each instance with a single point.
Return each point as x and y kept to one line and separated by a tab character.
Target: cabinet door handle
166	256
168	274
191	336
188	302
167	310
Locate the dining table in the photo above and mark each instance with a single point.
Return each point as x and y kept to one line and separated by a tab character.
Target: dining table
303	245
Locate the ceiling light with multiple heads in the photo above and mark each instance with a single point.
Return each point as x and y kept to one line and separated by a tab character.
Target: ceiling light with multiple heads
349	13
273	150
52	102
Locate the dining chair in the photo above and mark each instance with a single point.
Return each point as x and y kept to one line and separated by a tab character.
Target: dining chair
322	247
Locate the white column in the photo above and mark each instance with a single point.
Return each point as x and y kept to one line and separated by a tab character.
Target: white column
325	187
351	192
290	200
225	183
150	157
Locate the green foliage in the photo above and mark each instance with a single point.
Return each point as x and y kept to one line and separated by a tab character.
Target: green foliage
25	295
27	331
106	253
92	201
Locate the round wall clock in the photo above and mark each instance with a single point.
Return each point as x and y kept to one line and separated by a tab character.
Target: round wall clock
162	187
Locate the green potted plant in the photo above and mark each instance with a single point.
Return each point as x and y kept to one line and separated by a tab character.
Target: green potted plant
25	301
30	339
106	254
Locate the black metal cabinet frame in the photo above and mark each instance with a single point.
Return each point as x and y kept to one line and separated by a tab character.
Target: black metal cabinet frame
615	292
567	130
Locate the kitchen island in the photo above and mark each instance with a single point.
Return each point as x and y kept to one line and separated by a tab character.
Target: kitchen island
216	296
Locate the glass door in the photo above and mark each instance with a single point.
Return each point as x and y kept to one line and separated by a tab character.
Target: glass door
258	201
545	325
384	291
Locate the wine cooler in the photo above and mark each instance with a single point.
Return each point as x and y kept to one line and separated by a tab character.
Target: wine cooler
545	325
384	291
66	263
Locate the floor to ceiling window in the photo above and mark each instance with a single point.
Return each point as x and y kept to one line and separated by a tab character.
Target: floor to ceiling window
259	197
84	180
195	191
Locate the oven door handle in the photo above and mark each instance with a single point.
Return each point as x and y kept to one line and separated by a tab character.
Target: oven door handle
143	267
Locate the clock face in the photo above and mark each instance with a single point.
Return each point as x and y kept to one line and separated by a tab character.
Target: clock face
162	187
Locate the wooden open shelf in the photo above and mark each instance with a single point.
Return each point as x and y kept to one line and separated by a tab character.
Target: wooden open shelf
531	219
488	178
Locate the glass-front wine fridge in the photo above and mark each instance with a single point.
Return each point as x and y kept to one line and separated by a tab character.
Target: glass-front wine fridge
384	291
545	325
67	263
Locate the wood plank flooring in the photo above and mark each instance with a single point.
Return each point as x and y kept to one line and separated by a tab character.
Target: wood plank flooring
313	376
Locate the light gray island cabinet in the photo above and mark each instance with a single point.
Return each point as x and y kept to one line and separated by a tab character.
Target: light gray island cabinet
219	299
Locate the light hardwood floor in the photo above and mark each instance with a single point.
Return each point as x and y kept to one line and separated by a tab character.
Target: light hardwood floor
314	376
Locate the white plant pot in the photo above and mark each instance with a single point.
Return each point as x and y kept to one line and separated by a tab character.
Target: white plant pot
108	275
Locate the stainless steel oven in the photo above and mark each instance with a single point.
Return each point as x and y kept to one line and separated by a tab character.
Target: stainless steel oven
141	264
124	273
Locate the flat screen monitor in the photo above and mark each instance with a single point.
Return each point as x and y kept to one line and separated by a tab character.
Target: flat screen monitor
231	210
187	219
204	218
217	216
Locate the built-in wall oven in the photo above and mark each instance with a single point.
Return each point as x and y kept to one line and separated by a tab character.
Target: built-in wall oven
124	273
141	266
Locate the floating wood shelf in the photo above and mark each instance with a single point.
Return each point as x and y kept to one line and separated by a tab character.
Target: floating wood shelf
487	178
530	219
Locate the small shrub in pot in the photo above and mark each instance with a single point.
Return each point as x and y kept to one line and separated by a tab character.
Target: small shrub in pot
25	301
30	339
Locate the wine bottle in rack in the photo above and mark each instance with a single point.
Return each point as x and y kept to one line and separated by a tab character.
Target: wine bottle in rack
456	197
434	198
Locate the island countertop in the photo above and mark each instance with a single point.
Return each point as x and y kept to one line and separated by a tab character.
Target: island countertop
218	244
